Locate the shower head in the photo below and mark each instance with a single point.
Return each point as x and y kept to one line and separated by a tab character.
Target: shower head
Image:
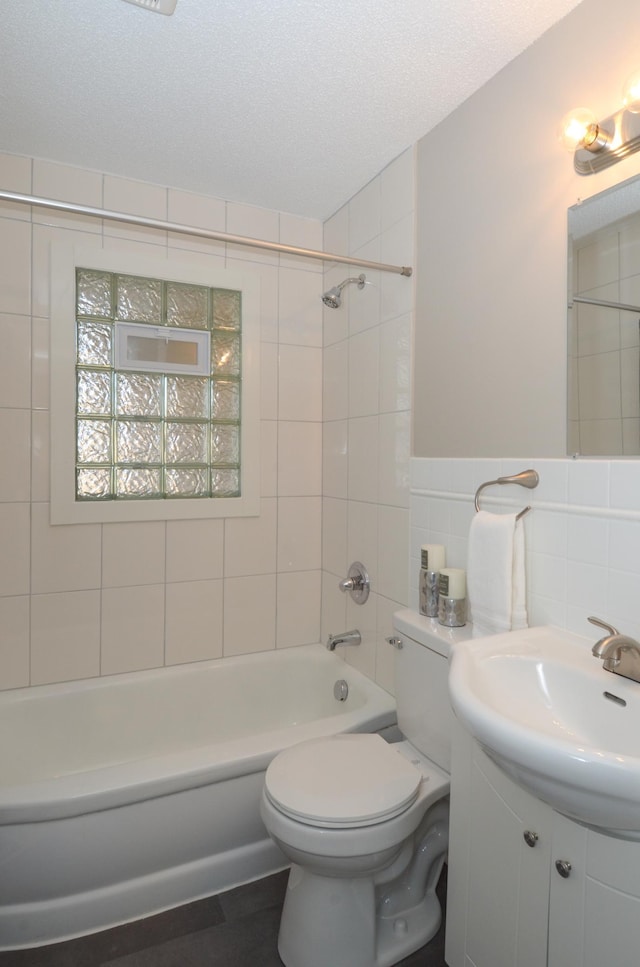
333	297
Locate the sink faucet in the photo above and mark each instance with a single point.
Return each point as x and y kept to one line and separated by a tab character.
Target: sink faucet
620	654
345	638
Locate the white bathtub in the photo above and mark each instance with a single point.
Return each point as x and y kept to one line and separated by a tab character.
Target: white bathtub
126	795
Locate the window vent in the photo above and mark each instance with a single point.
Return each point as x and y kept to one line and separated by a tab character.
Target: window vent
159	6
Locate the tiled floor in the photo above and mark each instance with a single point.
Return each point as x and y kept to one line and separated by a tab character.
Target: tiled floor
234	929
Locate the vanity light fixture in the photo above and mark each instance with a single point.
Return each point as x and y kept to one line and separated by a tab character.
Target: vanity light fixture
157	6
599	144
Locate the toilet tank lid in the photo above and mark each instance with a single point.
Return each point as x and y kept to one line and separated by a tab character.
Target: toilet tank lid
342	780
427	631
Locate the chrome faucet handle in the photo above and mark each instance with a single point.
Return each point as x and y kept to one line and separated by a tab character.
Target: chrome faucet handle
603	624
356	583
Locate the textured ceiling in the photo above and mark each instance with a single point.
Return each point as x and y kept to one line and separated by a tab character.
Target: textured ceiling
287	104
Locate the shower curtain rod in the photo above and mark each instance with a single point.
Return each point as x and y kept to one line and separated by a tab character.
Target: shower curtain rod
64	206
605	303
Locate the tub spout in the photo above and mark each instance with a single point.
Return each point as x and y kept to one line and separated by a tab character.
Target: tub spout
344	638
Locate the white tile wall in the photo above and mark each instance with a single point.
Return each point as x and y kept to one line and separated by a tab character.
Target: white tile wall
582	535
249	614
367	399
337	480
605	413
65	637
193	624
86	600
298	608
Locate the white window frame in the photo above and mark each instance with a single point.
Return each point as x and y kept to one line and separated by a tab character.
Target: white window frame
197	270
124	331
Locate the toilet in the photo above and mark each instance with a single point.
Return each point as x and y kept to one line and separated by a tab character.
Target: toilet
364	822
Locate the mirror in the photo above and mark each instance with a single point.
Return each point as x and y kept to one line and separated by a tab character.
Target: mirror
603	411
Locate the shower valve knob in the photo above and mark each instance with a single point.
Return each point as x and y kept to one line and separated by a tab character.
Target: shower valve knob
356	583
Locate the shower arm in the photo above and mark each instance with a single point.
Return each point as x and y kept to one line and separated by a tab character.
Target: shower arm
359	281
64	206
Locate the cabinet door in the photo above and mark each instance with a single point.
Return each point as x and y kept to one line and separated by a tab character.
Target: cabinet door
566	895
612	902
508	880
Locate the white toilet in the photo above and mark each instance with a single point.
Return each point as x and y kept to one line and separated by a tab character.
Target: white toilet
365	822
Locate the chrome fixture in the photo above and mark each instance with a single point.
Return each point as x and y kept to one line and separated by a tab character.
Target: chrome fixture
333	297
599	144
158	6
305	253
344	638
395	641
341	690
605	303
357	583
563	867
527	478
620	654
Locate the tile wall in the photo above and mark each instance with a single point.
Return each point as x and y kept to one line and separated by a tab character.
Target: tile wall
582	535
366	415
85	600
604	343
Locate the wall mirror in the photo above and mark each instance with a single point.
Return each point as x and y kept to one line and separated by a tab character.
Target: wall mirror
603	411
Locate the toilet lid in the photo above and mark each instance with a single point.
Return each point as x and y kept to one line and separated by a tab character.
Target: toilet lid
343	780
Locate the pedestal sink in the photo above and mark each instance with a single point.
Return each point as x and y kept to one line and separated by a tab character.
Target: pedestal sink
547	713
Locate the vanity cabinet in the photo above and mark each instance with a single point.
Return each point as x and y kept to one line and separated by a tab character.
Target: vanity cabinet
529	887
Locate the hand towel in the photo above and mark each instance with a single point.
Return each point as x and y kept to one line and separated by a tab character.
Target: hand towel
496	574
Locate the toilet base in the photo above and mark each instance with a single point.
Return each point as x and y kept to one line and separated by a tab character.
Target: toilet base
343	930
366	921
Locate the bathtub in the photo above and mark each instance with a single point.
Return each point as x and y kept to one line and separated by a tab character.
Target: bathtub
130	794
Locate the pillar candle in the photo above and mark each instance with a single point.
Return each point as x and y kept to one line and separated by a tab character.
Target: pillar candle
453	583
432	557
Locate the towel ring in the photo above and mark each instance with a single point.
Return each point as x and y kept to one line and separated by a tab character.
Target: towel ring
528	478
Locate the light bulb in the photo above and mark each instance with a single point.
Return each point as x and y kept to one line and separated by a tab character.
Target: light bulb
578	129
631	93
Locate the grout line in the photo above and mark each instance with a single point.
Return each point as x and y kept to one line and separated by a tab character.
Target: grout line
584	510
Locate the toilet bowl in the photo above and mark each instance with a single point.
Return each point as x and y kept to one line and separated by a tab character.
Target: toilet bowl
365	822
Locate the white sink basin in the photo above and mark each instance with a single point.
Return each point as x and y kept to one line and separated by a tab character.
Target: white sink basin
538	703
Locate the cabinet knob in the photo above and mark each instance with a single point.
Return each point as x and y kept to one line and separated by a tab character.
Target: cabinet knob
530	838
563	867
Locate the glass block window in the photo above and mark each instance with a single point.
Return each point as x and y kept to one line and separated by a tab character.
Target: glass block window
156	428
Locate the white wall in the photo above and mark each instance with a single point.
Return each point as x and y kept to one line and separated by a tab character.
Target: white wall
83	600
366	412
494	186
490	362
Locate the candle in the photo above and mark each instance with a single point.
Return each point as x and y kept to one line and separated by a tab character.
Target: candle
432	557
453	583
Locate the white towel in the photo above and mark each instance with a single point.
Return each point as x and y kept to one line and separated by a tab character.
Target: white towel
495	574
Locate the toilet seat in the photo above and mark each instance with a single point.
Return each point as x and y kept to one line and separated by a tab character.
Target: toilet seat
345	781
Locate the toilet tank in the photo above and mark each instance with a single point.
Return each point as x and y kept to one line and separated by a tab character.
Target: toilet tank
425	716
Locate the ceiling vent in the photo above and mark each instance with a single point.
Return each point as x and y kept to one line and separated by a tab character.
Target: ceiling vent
159	6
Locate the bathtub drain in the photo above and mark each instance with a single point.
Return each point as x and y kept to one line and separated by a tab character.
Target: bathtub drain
340	690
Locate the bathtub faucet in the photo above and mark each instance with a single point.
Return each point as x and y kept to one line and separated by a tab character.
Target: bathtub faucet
345	638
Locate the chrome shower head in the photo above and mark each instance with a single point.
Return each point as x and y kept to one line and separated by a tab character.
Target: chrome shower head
333	297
